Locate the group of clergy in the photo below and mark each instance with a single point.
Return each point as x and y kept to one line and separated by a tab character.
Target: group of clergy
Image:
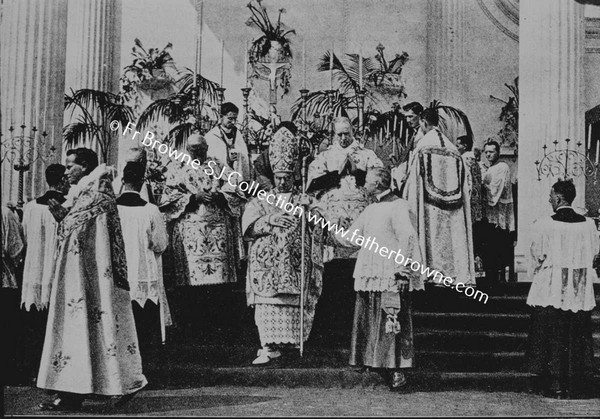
88	267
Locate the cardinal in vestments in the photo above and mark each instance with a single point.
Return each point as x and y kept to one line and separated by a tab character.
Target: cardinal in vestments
437	192
337	178
273	283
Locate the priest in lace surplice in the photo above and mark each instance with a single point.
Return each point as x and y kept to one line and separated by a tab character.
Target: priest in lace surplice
273	281
562	251
39	229
337	178
499	210
91	345
145	237
437	192
382	333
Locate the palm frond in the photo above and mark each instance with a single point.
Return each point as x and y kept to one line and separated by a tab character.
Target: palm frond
453	113
208	88
179	134
79	132
173	109
318	103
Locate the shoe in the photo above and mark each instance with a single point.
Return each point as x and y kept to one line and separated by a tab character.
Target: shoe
59	404
398	381
265	356
556	394
123	400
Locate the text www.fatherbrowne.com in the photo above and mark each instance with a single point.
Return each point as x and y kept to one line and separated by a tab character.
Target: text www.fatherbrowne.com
252	189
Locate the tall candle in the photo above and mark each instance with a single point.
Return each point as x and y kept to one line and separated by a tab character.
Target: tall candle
200	38
401	129
389	129
304	64
598	151
381	136
52	135
588	142
331	67
11	117
395	122
222	59
246	64
360	70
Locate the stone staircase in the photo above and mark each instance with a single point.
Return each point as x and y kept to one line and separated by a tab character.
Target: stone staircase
459	343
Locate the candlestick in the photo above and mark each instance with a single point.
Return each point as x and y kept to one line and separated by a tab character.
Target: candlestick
360	70
331	67
304	64
222	59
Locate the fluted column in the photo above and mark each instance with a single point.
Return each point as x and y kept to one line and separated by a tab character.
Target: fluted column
551	52
94	49
445	52
32	82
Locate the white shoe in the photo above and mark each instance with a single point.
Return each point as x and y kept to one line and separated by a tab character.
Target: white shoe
265	356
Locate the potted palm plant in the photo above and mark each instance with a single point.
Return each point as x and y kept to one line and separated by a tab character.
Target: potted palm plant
93	111
183	111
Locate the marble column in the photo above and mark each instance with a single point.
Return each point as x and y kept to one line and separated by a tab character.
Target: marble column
446	54
33	40
551	49
94	52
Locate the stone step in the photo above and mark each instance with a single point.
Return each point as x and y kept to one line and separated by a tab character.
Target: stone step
427	359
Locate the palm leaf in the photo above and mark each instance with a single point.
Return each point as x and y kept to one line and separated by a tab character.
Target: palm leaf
453	113
173	109
179	134
78	132
207	87
318	103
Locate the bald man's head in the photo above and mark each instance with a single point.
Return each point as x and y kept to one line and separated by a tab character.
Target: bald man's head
343	131
197	147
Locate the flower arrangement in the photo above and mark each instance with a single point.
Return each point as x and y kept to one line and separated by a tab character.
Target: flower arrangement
274	36
509	115
147	70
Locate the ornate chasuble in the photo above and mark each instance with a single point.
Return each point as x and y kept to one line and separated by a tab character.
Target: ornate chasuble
437	192
205	238
91	344
274	268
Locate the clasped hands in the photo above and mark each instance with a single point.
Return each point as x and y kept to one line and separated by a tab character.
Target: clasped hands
402	278
206	197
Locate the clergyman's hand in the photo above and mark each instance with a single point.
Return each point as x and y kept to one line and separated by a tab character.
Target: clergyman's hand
283	221
57	210
205	197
